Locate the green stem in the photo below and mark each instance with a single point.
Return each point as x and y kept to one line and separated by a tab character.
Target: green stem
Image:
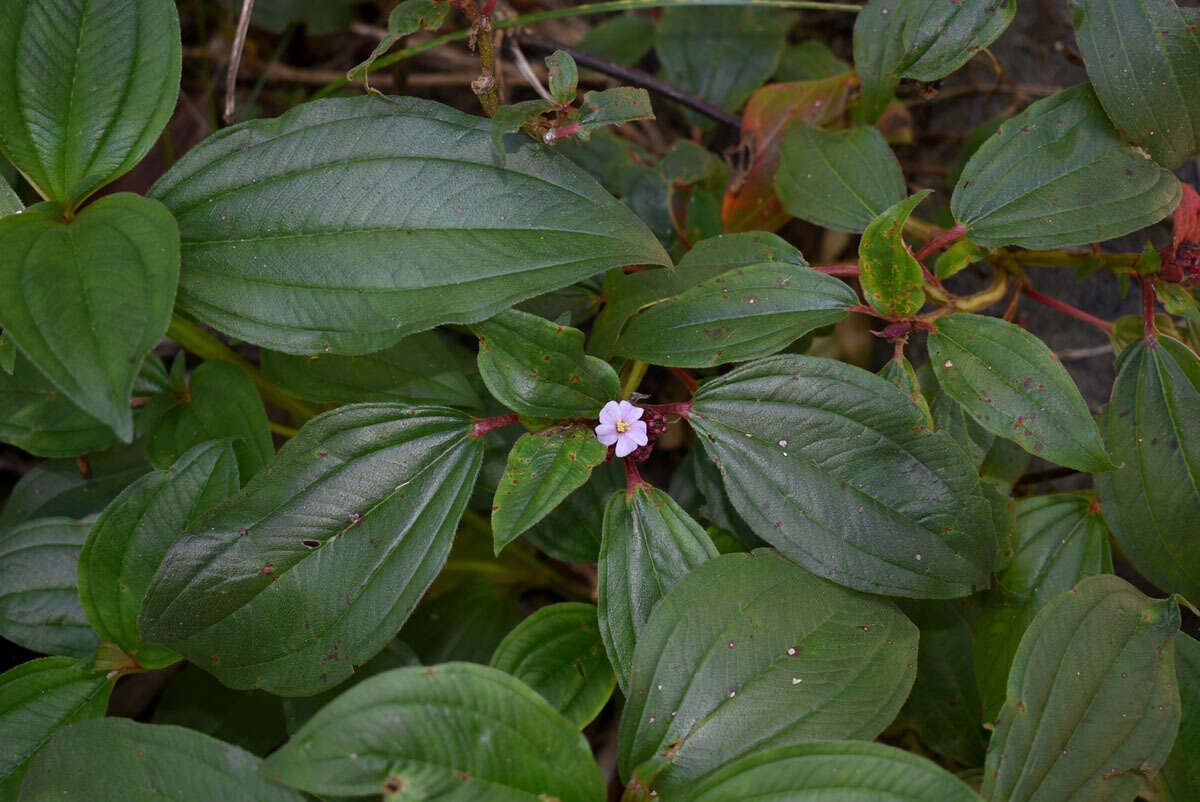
635	371
206	346
520	556
1121	262
577	11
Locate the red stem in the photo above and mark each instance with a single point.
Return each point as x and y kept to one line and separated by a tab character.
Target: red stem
633	479
838	270
1151	336
1067	309
686	379
484	425
866	310
489	7
941	241
681	408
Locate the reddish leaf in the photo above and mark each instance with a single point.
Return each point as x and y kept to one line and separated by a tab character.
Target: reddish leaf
1187	217
750	203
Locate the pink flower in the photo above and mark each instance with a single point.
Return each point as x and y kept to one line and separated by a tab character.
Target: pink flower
621	425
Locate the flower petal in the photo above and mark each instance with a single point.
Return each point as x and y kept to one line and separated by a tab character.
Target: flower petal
635	413
611	413
625	446
626	410
637	433
606	433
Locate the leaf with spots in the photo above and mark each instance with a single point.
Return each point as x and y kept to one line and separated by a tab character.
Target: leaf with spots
1152	428
891	277
132	535
537	368
326	551
838	179
1092	703
649	544
743	314
1143	57
389	734
36	699
1059	174
543	469
819	457
1013	385
137	762
557	652
941	36
750	651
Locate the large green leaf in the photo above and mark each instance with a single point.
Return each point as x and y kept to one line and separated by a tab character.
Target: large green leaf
347	224
130	538
1013	385
299	709
1058	541
848	771
892	279
58	487
85	88
543	469
750	651
1059	174
425	368
137	762
746	313
36	699
1180	775
574	530
85	300
940	37
838	179
390	733
1143	57
39	604
1152	429
720	53
557	652
253	720
538	368
315	566
820	457
626	293
878	50
649	544
1092	703
465	623
944	703
220	401
38	418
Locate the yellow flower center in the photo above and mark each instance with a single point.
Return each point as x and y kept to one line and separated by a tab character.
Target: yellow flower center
622	426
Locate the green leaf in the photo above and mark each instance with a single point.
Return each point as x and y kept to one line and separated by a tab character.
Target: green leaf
465	623
878	51
849	771
892	279
563	76
1058	541
899	371
750	651
347	224
57	488
557	652
543	469
626	293
425	368
649	544
393	726
1059	174
409	16
720	53
252	720
940	37
1180	775
510	119
944	703
1092	703
85	300
1143	57
38	418
39	606
85	89
838	179
820	457
957	257
137	762
326	551
624	39
220	401
10	203
130	538
1013	385
745	313
538	369
573	530
810	60
36	699
614	107
1151	428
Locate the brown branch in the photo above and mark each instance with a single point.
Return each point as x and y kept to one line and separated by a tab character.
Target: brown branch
235	60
